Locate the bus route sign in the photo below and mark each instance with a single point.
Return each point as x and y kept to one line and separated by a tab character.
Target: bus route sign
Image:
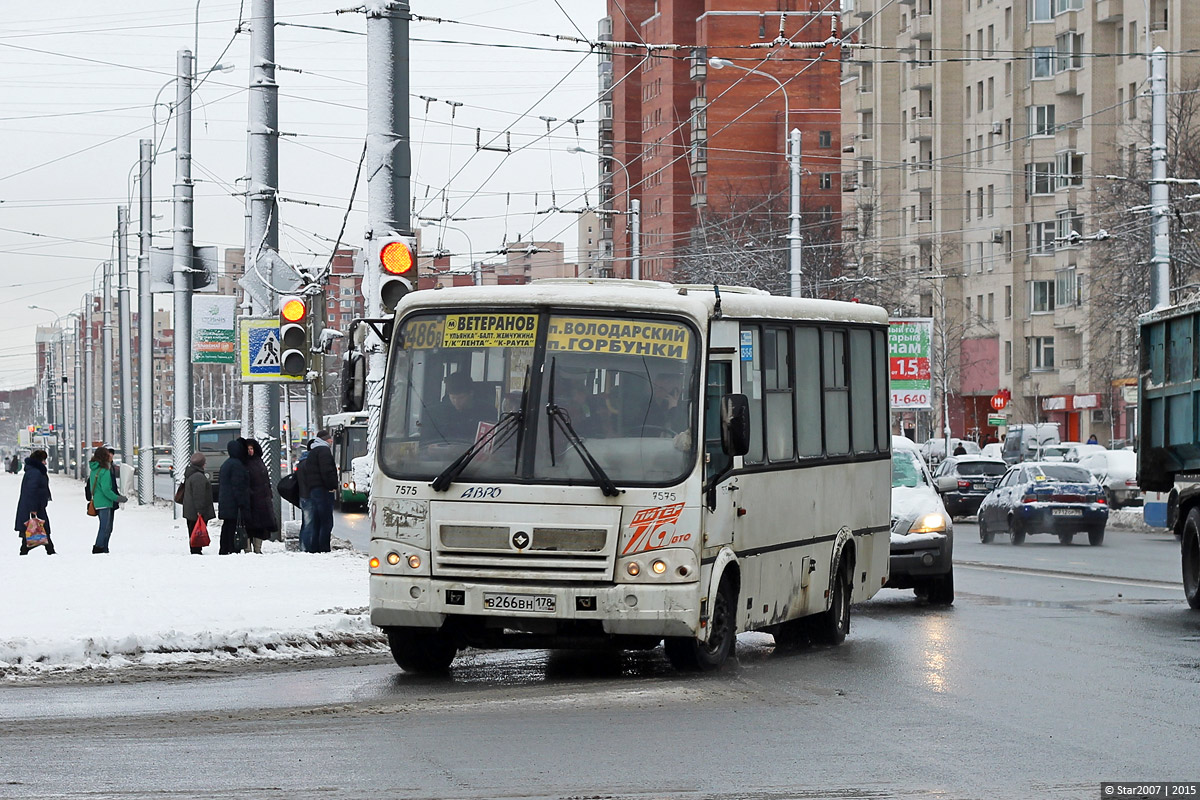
910	348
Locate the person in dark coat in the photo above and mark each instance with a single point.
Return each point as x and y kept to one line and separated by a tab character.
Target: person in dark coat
35	494
14	466
234	495
318	478
261	523
197	497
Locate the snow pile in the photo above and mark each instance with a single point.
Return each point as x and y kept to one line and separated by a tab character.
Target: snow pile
150	602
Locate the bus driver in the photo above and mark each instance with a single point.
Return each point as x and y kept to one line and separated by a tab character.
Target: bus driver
457	417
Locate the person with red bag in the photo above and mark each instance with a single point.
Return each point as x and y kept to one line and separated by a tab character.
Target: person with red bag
35	495
197	504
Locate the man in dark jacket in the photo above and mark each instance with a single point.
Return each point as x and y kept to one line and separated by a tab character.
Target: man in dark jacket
35	494
233	495
318	479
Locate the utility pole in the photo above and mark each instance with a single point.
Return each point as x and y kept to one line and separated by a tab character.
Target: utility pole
124	335
635	248
77	424
1160	258
389	165
106	368
145	328
89	368
320	316
181	278
795	253
262	230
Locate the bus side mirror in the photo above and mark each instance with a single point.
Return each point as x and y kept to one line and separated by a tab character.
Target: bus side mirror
735	424
354	381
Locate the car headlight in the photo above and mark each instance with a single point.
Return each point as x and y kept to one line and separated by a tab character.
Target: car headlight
929	523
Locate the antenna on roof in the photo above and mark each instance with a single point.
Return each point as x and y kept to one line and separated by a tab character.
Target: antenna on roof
717	305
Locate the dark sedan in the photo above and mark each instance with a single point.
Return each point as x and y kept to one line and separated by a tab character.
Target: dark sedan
963	482
1045	497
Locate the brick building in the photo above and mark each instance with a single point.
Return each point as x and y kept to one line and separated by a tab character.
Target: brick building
702	146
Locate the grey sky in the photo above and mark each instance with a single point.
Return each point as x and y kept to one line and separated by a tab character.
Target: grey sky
76	94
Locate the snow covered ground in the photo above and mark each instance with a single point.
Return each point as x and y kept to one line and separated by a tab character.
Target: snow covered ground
149	602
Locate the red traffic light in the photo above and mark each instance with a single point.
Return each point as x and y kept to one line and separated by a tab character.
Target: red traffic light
395	258
293	309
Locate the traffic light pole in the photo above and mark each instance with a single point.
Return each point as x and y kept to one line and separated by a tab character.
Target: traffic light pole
125	334
181	276
145	328
388	164
262	230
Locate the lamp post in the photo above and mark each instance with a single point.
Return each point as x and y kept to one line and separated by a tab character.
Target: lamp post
793	161
635	215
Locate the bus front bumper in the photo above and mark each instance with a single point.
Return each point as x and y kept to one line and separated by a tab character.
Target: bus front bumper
623	609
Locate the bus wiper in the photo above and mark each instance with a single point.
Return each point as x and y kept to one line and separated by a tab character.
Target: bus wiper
558	415
508	424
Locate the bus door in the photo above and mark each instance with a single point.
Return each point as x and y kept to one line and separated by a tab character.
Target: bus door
720	486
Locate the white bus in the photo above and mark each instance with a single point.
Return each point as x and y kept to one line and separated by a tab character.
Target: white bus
349	432
574	463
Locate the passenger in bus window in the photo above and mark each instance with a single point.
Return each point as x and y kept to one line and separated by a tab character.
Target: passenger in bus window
667	413
456	418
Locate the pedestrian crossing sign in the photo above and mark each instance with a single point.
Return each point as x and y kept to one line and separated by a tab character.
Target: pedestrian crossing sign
258	351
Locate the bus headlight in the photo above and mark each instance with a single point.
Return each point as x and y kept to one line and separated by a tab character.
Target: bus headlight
393	558
414	561
659	567
667	565
633	568
929	523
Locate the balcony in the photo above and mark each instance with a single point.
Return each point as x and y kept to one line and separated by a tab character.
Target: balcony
1109	10
1067	82
922	76
921	129
922	179
922	230
699	64
698	167
922	26
699	200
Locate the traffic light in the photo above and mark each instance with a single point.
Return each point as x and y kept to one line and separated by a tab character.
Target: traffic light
294	350
395	257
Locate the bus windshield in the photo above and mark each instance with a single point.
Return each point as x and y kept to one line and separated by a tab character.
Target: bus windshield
216	441
542	394
355	444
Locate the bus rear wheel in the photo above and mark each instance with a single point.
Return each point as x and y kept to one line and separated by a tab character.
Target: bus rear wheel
1190	551
423	651
832	625
691	655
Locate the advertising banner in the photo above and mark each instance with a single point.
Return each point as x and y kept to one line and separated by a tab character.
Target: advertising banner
910	351
213	324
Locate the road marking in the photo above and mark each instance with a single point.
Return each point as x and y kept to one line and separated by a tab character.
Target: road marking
1075	576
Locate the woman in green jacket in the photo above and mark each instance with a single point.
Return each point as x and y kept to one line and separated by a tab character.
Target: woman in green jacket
104	495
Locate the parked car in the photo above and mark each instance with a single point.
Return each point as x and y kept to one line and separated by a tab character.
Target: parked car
1045	497
934	450
1116	471
1079	451
922	533
963	482
1054	452
162	466
993	450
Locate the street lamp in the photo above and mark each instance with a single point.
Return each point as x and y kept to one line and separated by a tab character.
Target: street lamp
793	161
635	215
476	269
156	104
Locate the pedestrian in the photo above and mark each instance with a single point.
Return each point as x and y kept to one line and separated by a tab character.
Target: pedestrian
14	466
197	498
1093	440
233	502
35	494
960	450
318	479
104	495
261	522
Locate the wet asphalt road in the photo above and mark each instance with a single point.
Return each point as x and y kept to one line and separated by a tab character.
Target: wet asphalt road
1056	669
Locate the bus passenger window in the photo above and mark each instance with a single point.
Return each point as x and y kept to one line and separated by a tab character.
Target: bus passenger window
862	392
883	432
777	387
837	411
752	387
808	391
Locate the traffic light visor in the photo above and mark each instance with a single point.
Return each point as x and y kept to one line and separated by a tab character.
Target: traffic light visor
396	258
293	309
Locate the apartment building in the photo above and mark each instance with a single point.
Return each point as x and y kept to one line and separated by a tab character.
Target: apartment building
700	145
977	132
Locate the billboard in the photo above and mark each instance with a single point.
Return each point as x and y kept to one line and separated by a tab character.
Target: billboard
213	327
910	351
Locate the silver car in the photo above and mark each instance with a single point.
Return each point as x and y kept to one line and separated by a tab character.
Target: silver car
1116	470
922	556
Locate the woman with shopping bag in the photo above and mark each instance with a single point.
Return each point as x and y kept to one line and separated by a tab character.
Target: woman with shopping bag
197	504
35	494
104	496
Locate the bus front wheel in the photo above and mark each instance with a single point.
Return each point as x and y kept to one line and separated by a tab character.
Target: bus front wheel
691	655
424	651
